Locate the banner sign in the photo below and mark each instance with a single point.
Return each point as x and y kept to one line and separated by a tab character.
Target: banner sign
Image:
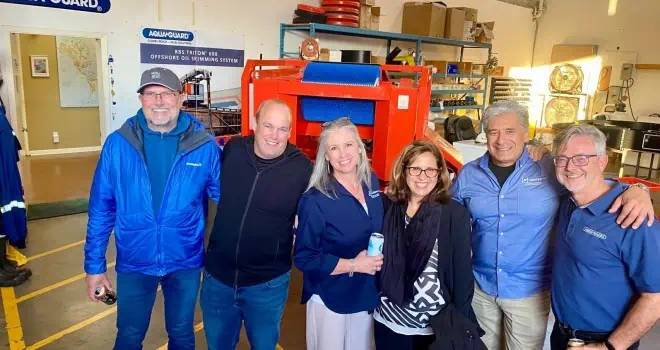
176	47
94	6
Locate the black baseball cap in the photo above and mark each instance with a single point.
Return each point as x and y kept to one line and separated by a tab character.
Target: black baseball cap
159	76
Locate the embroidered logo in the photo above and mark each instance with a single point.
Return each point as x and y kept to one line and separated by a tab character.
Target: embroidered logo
533	180
594	233
194	164
155	75
374	194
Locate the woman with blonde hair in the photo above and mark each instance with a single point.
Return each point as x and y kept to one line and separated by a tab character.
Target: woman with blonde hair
426	282
337	215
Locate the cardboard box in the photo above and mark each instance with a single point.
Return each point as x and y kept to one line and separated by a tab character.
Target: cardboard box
378	59
469	31
324	55
424	18
439	67
365	17
454	24
470	13
485	32
375	18
368	2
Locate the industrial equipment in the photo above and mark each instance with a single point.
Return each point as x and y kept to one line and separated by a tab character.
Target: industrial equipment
388	114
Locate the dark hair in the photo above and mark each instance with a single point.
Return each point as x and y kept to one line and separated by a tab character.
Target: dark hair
398	189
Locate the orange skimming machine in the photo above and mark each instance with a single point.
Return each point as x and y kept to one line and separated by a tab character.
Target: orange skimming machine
388	114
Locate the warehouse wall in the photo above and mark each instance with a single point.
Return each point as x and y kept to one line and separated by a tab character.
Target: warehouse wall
257	21
629	35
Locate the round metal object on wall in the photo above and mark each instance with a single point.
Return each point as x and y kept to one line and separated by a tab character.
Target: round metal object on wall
312	9
342	3
356	56
343	18
342	10
309	49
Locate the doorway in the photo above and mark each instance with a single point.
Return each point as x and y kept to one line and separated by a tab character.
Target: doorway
59	91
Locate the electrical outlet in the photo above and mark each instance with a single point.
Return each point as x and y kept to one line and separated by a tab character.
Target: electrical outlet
56	137
626	71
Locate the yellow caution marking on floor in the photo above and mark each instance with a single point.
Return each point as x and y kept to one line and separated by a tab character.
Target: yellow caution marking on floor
72	329
56	285
56	250
13	320
75	327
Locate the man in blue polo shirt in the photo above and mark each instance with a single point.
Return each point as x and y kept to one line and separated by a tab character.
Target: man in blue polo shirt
604	287
513	202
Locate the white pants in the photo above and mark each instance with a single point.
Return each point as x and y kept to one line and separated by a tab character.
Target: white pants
327	330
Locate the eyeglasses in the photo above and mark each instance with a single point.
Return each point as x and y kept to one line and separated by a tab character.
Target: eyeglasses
415	171
167	95
579	160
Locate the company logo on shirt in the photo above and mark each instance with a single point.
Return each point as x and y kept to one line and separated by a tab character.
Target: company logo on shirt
374	194
194	164
594	233
533	180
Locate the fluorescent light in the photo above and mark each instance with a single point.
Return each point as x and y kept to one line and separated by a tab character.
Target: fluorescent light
611	9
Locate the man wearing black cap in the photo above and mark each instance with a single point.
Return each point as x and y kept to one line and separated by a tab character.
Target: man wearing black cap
152	179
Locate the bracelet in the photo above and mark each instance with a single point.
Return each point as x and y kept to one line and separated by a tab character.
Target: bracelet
609	345
352	268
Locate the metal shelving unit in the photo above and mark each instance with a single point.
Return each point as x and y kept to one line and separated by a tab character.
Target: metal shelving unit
313	28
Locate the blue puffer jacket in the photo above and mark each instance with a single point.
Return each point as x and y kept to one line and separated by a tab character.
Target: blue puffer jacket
120	198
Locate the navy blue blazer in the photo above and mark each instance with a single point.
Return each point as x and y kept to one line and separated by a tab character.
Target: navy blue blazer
334	228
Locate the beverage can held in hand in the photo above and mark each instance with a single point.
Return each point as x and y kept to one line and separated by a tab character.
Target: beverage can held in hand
375	244
575	343
109	297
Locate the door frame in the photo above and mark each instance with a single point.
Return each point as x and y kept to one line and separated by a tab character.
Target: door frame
14	98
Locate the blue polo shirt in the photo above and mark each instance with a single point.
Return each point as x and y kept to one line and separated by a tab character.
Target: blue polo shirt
511	224
599	268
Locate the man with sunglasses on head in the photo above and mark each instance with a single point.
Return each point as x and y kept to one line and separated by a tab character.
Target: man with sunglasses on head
151	182
605	285
513	202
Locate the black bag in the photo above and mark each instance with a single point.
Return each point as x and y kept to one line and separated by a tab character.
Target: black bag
453	331
459	128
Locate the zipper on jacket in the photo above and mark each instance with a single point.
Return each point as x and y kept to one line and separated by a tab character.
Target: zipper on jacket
240	230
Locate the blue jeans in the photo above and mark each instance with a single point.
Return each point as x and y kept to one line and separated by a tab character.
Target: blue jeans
225	308
136	294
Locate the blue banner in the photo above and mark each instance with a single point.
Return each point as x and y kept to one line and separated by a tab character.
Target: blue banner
190	55
95	6
166	34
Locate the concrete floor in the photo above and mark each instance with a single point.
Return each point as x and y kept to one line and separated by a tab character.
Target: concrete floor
53	307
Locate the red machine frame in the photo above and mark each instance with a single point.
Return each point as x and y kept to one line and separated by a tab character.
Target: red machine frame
401	110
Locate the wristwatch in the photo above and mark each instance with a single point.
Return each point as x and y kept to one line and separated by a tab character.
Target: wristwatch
641	185
609	345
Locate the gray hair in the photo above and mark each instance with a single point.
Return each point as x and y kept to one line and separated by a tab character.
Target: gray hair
596	136
322	173
502	107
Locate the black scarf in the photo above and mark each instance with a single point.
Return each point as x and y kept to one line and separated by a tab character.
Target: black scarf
407	250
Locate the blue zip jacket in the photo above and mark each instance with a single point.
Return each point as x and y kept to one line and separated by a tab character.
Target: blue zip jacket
13	219
120	198
334	228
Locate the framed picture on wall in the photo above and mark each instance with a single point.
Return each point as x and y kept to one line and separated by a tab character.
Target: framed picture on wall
39	66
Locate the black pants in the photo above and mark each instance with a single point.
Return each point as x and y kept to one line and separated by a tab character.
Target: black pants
561	334
386	339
